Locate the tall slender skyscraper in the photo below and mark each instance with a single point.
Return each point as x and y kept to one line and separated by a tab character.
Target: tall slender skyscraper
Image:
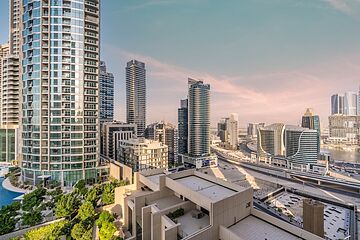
183	127
199	118
106	94
198	110
60	104
10	88
136	95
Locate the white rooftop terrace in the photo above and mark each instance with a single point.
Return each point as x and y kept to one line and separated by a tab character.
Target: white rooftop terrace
208	189
256	229
190	225
155	178
166	202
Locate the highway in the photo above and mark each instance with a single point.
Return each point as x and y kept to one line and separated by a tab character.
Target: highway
318	191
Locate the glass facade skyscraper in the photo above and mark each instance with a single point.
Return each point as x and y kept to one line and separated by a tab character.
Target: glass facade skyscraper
337	104
183	127
199	118
60	69
136	95
106	94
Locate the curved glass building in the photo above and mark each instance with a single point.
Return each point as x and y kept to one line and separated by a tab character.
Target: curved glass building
301	145
60	68
296	144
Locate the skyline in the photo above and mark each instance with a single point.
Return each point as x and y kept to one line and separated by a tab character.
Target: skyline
272	50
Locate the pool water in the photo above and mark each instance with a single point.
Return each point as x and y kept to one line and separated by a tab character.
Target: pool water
6	196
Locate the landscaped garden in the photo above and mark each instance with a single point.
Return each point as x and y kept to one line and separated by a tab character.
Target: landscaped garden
79	211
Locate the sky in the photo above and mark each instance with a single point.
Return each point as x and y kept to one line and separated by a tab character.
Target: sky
266	60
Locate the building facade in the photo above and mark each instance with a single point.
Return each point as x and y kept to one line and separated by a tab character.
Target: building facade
168	135
301	145
112	133
10	86
270	141
344	129
296	145
311	121
183	127
337	104
350	103
199	118
143	154
228	131
136	95
60	78
198	149
252	129
106	94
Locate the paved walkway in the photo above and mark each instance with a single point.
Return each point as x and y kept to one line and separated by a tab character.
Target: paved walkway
8	186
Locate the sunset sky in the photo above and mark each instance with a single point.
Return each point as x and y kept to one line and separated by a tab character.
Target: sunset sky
267	60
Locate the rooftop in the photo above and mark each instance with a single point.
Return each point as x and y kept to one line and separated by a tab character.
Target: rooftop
166	202
155	178
211	190
256	229
190	225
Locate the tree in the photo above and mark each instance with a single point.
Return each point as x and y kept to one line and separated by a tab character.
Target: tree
108	195
105	216
92	195
51	231
80	232
33	199
32	218
66	205
107	231
86	211
7	224
80	187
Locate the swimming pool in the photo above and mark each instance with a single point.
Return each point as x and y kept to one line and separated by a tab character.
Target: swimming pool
6	196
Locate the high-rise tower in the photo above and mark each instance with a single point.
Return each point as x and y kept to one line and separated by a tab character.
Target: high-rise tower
198	152
337	104
136	95
60	104
10	88
199	118
350	103
106	94
183	127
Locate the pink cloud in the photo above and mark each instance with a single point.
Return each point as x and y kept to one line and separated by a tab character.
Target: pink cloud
269	97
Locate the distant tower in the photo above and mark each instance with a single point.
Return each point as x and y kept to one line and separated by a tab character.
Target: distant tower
199	118
337	104
10	87
311	121
350	103
313	217
183	127
106	94
136	95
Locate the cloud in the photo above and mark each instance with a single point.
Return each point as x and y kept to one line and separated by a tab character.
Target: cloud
340	5
268	97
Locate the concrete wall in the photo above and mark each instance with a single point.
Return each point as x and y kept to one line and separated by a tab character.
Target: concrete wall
169	230
23	231
156	218
147	182
146	223
226	234
231	210
120	171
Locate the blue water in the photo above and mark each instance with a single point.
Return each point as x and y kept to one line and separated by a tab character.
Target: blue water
6	197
